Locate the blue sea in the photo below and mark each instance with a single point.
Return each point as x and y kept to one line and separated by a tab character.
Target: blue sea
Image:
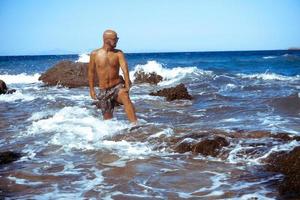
70	152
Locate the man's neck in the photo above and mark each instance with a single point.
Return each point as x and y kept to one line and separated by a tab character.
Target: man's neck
107	48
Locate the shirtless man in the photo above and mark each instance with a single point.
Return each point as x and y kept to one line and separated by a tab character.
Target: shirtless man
106	62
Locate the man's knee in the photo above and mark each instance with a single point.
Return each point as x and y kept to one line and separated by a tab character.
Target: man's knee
107	115
124	96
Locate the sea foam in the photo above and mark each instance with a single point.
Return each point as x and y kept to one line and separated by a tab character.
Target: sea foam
20	78
270	76
169	75
89	133
83	58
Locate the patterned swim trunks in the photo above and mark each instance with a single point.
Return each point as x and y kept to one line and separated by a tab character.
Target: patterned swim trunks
107	98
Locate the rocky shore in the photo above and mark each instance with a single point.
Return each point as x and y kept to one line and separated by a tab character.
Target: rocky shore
206	143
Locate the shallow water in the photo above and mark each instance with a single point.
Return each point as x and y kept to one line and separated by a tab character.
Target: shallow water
70	152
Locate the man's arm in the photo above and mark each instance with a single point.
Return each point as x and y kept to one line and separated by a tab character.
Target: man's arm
124	67
91	75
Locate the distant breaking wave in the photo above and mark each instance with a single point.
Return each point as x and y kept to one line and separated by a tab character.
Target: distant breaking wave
84	58
20	78
169	75
270	76
269	57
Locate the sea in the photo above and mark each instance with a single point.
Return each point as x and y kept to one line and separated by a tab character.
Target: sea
70	152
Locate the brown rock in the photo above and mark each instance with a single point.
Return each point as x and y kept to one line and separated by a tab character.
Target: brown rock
263	134
67	73
8	157
173	93
287	163
207	147
4	89
210	147
184	146
142	77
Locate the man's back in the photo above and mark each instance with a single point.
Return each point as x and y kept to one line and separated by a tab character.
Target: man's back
107	62
107	67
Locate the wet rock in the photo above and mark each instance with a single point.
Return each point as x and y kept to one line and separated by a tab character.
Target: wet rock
184	146
8	157
173	93
287	163
142	77
69	74
263	134
210	147
4	89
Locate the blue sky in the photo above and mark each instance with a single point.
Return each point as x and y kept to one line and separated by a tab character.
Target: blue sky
75	26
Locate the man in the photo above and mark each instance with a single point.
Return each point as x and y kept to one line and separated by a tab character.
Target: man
106	62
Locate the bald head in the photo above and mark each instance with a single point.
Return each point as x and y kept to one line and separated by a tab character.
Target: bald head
109	34
110	39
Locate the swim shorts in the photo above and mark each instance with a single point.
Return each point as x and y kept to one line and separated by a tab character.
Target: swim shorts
107	98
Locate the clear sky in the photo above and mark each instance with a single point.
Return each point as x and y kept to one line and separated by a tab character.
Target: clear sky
75	26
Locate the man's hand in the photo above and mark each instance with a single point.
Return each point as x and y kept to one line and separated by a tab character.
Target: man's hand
93	95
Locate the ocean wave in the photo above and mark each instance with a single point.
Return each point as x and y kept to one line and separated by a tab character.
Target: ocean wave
16	96
269	57
88	133
169	75
83	58
20	78
270	76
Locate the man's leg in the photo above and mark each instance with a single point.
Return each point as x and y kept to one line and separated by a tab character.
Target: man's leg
107	115
123	98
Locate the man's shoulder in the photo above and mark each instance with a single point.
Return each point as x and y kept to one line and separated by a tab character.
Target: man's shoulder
118	51
95	51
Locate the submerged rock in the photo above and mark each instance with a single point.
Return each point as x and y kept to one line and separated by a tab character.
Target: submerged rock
4	89
287	163
173	93
8	157
210	146
263	134
69	74
143	77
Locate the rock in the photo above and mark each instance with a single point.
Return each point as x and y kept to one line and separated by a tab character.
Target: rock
4	89
210	147
173	93
8	157
142	77
263	134
287	163
69	74
184	146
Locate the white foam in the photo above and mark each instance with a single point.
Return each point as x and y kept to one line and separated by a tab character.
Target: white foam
169	75
282	147
20	78
77	128
235	158
270	76
269	57
228	87
83	58
253	196
166	132
16	96
21	181
39	115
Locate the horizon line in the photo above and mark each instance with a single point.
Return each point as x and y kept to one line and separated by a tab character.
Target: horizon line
153	52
